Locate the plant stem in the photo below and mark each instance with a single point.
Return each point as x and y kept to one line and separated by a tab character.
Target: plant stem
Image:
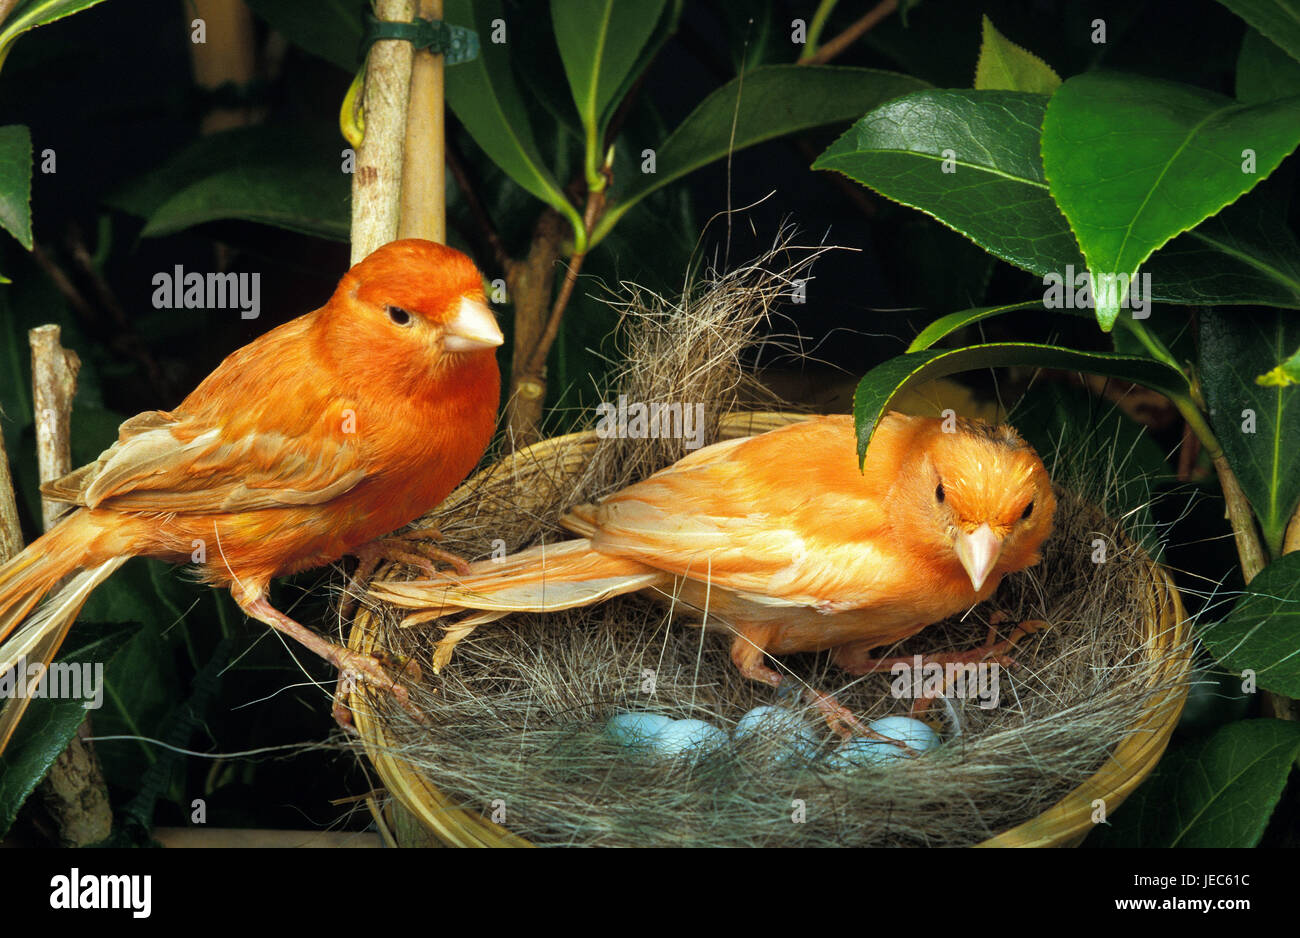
820	16
851	35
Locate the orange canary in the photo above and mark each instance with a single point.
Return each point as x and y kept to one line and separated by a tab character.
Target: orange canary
309	443
782	540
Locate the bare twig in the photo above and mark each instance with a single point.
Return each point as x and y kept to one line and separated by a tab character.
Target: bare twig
424	178
73	791
11	533
376	184
54	382
469	190
851	35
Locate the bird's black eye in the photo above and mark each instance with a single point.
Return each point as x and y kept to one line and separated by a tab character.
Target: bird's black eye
399	315
1029	510
938	492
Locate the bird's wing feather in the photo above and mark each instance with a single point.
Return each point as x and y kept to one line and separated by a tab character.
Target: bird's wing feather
247	454
786	515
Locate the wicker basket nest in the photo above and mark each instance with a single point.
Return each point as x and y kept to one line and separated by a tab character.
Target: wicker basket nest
513	750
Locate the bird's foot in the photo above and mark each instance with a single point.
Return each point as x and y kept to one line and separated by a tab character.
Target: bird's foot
845	724
850	657
409	547
353	666
991	652
408	668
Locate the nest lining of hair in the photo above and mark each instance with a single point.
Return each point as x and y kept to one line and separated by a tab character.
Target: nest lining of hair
517	719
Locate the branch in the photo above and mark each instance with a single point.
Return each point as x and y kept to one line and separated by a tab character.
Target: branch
851	35
376	202
74	791
54	382
11	532
492	238
424	167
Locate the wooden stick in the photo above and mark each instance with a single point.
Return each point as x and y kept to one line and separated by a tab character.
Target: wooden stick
74	791
424	164
11	532
376	184
54	382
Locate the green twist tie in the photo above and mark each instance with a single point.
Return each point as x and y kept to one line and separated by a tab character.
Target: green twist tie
455	44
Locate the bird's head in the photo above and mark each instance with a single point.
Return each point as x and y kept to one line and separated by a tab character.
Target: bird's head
415	307
982	498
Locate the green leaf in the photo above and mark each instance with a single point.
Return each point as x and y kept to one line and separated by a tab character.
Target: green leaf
49	724
997	196
1262	631
946	325
880	385
1244	255
1219	791
1135	161
600	41
1258	426
16	183
774	100
1005	66
330	29
290	177
35	13
1279	20
487	100
1265	72
1284	375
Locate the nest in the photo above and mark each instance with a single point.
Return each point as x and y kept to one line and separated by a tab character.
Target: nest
515	749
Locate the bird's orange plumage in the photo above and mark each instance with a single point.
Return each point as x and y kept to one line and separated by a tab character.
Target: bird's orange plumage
317	438
785	541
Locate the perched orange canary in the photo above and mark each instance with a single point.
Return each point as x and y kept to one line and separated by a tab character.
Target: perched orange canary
781	539
309	443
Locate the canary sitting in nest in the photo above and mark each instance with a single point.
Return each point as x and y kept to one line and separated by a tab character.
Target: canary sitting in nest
782	540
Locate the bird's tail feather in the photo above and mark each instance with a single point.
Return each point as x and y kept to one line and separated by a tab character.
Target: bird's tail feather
547	578
31	631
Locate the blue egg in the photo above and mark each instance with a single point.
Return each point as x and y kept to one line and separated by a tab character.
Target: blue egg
916	734
636	730
858	752
687	737
789	730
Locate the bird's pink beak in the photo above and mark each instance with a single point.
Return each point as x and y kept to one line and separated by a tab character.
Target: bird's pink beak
978	552
472	327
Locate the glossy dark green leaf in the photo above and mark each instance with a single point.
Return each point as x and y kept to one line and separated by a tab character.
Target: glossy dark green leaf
946	325
487	100
1133	162
330	29
49	724
289	177
1264	71
600	41
995	193
16	183
880	385
32	13
774	100
1218	791
1279	20
1005	66
1262	631
1257	425
1244	255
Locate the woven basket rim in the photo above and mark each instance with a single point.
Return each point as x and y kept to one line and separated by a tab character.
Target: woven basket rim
1065	823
